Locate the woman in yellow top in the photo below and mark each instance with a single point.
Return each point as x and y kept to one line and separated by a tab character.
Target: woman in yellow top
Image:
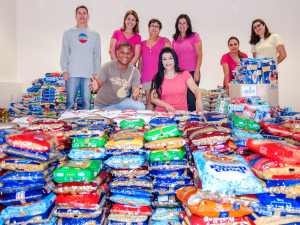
265	44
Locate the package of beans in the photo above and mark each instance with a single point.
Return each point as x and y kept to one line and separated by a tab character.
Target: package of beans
161	133
168	143
78	171
89	142
131	210
130	173
166	155
33	141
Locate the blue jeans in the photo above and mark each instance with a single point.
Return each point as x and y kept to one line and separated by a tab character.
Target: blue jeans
126	104
72	88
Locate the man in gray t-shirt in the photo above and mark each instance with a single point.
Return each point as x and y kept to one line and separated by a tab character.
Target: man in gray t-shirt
80	58
114	81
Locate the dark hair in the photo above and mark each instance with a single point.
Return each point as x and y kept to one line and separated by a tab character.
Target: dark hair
125	44
159	77
82	7
239	52
155	21
189	31
254	38
136	27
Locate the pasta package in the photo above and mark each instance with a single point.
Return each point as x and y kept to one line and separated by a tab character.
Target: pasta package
200	207
88	121
210	138
130	200
127	218
82	201
78	171
19	164
226	175
132	123
33	141
131	210
244	123
276	150
161	121
47	125
274	218
126	161
276	129
131	173
161	133
75	188
94	131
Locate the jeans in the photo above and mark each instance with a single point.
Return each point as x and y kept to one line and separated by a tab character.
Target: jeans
72	88
126	104
191	100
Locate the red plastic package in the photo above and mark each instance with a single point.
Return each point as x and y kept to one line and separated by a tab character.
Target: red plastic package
238	101
74	188
84	201
275	150
47	125
276	129
131	173
296	136
34	141
131	210
210	138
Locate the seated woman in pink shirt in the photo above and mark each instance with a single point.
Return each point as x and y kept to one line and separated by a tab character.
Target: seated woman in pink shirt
148	62
128	33
170	85
230	61
188	46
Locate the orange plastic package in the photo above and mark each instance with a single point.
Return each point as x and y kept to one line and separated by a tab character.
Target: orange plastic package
200	207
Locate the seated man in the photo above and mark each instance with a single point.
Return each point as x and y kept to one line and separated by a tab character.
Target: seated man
114	81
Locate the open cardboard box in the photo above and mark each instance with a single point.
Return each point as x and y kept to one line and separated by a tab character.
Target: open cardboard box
267	92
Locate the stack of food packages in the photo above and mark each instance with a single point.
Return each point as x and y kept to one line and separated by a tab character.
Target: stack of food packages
81	186
27	185
131	186
255	71
210	98
45	98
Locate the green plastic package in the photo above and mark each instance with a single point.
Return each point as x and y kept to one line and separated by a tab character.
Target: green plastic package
89	142
78	171
161	133
166	155
244	123
132	123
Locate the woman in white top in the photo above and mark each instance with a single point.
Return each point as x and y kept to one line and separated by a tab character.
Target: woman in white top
265	44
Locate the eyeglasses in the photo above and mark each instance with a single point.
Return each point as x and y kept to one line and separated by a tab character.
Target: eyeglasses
257	26
154	27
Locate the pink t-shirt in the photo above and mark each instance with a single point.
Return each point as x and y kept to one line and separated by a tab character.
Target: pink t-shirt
186	52
150	58
174	92
120	37
226	58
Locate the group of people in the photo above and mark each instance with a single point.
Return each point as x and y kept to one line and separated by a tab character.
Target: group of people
168	72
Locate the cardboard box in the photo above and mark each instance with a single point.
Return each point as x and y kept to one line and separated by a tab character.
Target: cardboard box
267	92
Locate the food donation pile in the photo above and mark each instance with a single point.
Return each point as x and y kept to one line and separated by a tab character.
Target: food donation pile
126	167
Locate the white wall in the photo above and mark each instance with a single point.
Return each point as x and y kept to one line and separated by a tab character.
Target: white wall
41	23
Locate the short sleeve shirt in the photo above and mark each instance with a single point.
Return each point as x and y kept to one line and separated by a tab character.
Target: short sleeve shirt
174	92
117	83
120	37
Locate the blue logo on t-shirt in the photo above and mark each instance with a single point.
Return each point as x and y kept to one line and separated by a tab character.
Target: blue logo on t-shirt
82	37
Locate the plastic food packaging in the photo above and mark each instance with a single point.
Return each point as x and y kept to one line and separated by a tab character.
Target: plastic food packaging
83	154
82	201
174	221
131	210
176	164
132	123
131	173
244	123
276	129
33	141
6	133
166	213
130	200
168	143
127	218
166	155
161	121
173	174
215	118
89	142
132	192
94	131
274	218
275	150
161	133
200	207
143	182
226	175
88	121
268	169
126	161
210	138
78	171
125	143
75	188
165	201
47	125
19	164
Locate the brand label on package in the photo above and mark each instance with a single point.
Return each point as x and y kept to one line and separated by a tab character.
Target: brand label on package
248	91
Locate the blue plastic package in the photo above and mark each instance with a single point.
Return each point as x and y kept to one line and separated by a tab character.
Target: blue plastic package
132	192
80	154
81	221
126	162
173	174
241	134
226	175
29	209
271	201
131	200
161	121
119	152
174	221
6	133
139	182
17	186
167	182
166	213
176	164
165	190
112	222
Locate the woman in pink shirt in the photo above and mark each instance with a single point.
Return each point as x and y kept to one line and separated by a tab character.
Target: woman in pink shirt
129	33
148	62
230	60
170	85
188	47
